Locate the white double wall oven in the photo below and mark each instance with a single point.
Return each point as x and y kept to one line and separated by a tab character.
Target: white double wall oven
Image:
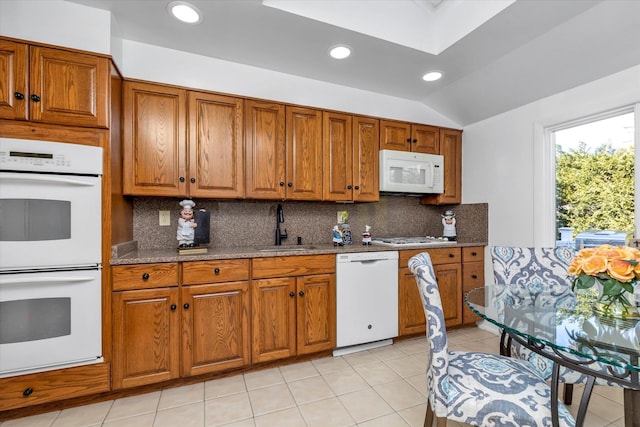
50	255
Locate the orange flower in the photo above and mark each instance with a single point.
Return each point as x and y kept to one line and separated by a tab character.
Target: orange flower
621	270
594	265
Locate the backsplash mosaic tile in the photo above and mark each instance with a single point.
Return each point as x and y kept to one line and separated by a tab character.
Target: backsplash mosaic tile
253	223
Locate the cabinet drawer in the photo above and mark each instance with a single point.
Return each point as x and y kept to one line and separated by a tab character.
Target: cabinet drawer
202	272
473	254
438	256
144	276
33	389
286	266
472	275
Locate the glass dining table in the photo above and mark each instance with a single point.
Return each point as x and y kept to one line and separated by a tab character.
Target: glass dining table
563	328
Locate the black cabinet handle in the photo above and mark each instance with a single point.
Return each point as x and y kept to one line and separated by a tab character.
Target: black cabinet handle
182	179
349	187
216	270
173	307
451	256
357	187
186	306
27	392
289	184
18	95
292	294
414	141
301	293
408	139
35	98
474	276
145	276
193	180
281	184
474	254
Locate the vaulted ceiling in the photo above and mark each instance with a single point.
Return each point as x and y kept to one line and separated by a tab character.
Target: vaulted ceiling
495	54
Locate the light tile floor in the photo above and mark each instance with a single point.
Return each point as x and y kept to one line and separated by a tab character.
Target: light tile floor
383	387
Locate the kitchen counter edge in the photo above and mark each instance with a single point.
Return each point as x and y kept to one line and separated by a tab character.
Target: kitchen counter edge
152	256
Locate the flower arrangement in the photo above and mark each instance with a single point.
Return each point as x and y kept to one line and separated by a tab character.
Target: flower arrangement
617	269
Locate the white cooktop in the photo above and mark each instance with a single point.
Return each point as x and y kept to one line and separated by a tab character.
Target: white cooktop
405	242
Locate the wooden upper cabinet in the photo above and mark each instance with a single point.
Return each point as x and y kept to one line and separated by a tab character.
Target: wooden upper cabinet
53	85
338	156
366	178
14	89
451	149
154	146
215	145
409	137
264	150
304	153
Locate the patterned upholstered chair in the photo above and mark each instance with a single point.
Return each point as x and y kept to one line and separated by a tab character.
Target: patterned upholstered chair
477	388
529	275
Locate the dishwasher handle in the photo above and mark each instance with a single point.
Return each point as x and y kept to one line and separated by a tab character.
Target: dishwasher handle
367	261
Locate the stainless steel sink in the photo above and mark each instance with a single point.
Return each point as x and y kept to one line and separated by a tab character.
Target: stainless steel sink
285	249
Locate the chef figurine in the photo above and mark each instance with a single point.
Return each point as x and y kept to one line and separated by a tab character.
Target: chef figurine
366	235
449	224
186	225
337	236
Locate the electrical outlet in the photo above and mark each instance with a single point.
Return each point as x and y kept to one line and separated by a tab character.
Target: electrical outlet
165	218
342	217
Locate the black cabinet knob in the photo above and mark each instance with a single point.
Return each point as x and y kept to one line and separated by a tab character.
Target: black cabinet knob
27	392
216	270
145	276
193	180
186	306
18	95
301	293
414	141
451	255
173	307
357	187
292	294
408	139
474	254
181	179
474	276
349	187
35	98
289	184
281	184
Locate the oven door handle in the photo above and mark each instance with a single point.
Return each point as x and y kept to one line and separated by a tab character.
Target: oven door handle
43	178
44	280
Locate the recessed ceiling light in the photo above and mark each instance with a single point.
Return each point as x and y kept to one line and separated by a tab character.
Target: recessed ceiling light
185	12
340	52
432	76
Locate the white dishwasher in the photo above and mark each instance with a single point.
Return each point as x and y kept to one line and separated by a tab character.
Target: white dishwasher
366	300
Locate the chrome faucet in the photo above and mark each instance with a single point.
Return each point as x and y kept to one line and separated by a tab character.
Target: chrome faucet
279	220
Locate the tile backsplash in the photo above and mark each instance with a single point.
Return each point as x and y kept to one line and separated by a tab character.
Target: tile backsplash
253	223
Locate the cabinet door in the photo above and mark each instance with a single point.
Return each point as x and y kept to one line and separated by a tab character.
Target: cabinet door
316	313
411	318
366	134
265	150
472	277
14	91
215	327
154	146
425	139
146	337
395	135
69	88
338	157
451	149
216	146
449	278
304	153
274	319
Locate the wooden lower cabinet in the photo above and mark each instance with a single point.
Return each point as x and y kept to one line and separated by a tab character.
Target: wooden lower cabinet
448	270
42	387
472	277
293	306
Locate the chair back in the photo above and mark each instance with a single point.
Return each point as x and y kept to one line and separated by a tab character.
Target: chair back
437	352
530	272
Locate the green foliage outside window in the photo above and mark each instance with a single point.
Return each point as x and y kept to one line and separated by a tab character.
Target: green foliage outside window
595	190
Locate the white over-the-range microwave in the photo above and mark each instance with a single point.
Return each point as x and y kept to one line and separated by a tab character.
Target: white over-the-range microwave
404	172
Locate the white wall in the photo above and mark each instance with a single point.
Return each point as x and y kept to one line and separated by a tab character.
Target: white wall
502	155
67	24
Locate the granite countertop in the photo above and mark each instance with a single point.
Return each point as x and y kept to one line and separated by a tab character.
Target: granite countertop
148	256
